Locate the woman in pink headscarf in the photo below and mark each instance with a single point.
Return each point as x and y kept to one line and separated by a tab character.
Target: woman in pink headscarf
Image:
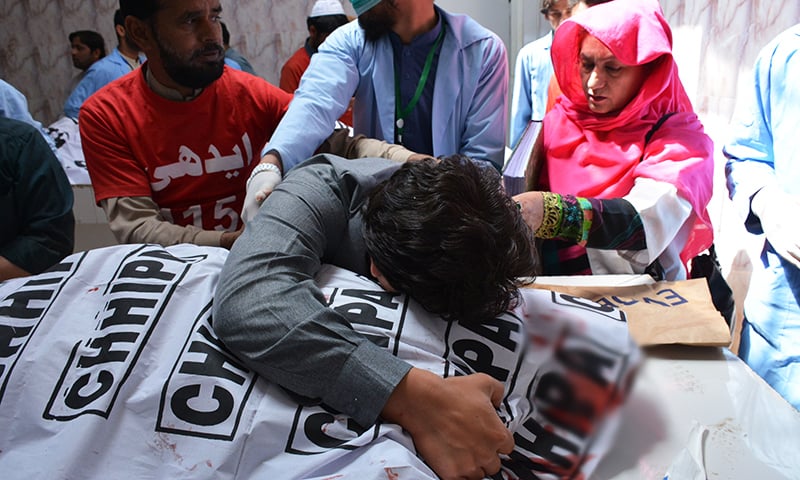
625	167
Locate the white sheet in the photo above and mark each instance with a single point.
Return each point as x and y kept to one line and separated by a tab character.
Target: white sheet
109	368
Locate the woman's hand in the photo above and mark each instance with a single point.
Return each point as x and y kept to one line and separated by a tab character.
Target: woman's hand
532	208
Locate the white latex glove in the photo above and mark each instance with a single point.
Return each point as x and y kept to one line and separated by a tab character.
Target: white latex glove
775	208
259	186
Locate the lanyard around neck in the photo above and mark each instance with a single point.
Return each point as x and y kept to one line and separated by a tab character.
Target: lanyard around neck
402	112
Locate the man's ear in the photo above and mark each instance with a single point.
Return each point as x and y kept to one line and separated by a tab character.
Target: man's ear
96	54
373	270
140	33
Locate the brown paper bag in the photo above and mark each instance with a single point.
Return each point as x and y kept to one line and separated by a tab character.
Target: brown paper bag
660	313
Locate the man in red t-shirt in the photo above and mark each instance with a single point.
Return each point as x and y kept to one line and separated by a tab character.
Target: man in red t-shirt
169	147
325	17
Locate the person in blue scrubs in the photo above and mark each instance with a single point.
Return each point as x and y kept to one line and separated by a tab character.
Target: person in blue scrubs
533	71
432	81
763	174
14	105
121	61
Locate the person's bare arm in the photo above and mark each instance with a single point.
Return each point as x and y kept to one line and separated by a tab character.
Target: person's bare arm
8	270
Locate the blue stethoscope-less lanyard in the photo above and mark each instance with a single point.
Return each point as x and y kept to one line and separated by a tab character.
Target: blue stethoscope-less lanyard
400	112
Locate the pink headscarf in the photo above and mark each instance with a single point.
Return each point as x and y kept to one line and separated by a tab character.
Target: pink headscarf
598	156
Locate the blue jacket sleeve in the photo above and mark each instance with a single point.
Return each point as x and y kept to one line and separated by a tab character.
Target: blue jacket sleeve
761	151
322	97
521	102
484	127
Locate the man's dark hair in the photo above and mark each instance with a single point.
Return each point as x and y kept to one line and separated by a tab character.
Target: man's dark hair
141	9
326	23
226	35
447	234
91	39
119	18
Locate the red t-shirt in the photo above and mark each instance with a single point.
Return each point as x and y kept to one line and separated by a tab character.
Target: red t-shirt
293	71
192	158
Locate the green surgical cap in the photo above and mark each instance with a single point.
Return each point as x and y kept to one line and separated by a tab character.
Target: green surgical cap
361	6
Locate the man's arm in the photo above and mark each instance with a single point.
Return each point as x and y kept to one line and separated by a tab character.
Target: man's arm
762	138
327	87
340	143
138	220
122	188
43	199
750	164
94	79
8	270
359	146
269	311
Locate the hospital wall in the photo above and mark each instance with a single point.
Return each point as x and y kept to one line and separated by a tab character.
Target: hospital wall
715	40
715	44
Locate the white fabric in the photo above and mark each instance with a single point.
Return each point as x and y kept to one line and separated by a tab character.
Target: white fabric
770	204
110	368
667	220
326	7
67	138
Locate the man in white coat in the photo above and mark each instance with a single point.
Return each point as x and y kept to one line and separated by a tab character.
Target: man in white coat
434	82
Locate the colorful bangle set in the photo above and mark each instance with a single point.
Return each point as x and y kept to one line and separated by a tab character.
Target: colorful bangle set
565	217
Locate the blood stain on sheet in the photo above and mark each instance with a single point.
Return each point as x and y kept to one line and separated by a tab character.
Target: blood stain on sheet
391	475
539	340
163	444
683	379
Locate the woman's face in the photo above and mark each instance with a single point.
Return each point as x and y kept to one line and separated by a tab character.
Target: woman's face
607	83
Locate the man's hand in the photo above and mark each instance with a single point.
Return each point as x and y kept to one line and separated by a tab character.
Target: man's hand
228	238
265	177
453	422
773	207
419	157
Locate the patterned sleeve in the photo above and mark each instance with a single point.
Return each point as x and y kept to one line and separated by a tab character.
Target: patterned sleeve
610	224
